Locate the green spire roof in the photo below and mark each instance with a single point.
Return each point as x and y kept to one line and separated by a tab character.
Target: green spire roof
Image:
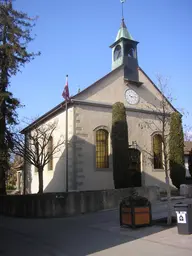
123	32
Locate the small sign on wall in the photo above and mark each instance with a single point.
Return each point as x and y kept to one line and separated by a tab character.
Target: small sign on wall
181	217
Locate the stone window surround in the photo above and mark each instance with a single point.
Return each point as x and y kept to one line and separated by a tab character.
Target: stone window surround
152	136
104	127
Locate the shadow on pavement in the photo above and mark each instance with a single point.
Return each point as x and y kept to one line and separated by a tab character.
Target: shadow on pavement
78	236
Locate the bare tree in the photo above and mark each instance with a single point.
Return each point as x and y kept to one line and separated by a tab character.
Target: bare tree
38	147
188	133
162	112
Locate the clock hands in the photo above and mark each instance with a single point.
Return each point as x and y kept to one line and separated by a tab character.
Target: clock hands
132	97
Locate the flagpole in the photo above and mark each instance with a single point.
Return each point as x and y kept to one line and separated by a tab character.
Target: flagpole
66	141
65	95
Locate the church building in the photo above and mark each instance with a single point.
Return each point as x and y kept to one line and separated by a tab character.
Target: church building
90	164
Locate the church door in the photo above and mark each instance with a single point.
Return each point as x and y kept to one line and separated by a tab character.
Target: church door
135	166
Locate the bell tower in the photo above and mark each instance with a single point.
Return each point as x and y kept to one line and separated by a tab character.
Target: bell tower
124	52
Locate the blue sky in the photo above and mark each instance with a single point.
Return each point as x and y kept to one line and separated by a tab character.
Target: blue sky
74	38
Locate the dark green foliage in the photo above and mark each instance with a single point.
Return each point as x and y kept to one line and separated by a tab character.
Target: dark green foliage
135	200
176	150
190	162
15	34
119	137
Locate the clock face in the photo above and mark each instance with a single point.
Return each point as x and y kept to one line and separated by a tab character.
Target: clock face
131	97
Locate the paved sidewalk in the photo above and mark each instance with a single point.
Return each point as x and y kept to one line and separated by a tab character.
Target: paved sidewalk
90	234
164	243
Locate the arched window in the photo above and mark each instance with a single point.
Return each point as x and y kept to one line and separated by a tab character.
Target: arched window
157	152
117	52
102	154
131	53
50	150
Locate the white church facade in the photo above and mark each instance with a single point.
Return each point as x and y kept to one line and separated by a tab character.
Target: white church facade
90	164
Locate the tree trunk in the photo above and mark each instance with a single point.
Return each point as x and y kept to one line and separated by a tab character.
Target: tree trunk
2	181
167	180
40	172
169	206
168	188
3	148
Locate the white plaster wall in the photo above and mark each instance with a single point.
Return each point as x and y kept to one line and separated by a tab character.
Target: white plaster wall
82	172
88	178
106	90
55	180
150	97
89	118
113	87
110	90
141	132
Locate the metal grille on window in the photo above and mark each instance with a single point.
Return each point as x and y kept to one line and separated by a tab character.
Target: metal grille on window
102	156
50	150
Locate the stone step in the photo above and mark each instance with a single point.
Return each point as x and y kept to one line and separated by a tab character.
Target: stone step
172	198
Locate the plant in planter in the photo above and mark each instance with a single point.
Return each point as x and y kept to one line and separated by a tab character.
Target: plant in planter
135	211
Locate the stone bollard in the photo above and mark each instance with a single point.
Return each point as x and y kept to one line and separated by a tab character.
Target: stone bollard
183	190
189	194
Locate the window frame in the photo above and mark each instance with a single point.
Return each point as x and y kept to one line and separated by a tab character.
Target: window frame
50	163
105	128
160	168
131	53
117	48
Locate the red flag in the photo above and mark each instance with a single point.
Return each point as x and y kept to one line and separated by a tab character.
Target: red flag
65	93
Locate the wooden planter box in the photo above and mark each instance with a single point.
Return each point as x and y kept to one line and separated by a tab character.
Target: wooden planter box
135	216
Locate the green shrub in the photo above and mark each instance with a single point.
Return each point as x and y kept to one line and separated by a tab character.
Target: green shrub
190	162
10	187
119	137
176	150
